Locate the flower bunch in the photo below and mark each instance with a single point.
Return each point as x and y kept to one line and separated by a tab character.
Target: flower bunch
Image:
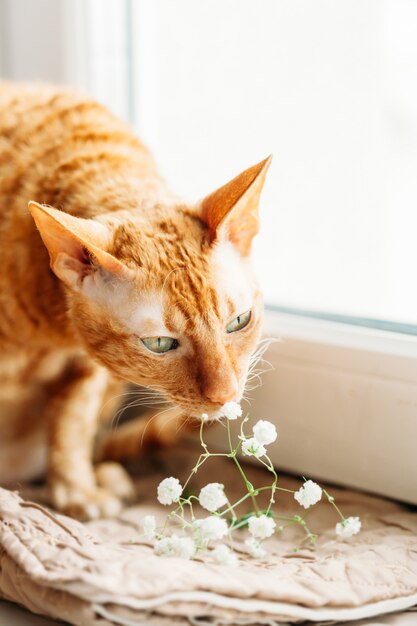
202	535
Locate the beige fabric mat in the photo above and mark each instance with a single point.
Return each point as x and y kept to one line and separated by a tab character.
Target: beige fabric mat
105	573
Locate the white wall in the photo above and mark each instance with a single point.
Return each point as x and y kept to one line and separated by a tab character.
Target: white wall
331	89
84	43
31	40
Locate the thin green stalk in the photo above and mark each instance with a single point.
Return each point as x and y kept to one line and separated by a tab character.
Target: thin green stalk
271	468
333	503
248	484
233	506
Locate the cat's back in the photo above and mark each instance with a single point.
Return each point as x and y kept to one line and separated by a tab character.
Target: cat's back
54	142
36	116
34	113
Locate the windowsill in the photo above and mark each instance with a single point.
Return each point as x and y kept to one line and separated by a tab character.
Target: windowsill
344	400
366	334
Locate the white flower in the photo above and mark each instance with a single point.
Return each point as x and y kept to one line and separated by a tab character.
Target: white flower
310	493
212	497
210	528
231	410
223	555
261	527
149	526
252	447
348	527
204	417
169	490
182	547
255	548
265	432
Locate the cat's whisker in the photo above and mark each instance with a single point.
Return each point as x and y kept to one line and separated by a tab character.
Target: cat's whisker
134	392
113	398
136	402
174	416
256	370
182	424
263	346
151	420
254	375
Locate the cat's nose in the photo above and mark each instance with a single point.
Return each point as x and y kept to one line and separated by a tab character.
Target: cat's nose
218	380
221	393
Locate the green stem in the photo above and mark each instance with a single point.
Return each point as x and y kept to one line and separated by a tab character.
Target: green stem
233	506
191	509
333	503
249	485
201	459
239	524
229	437
271	468
183	521
291	520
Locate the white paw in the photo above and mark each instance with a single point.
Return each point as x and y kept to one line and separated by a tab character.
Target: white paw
114	478
84	504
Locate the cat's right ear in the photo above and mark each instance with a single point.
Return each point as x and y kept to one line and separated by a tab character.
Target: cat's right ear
76	245
231	212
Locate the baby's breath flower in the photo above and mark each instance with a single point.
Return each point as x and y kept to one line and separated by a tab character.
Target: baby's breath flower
149	526
169	491
348	527
182	547
215	528
310	493
231	410
254	547
252	447
223	555
261	527
209	529
265	432
212	497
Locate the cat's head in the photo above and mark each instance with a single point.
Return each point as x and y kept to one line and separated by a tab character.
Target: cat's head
166	298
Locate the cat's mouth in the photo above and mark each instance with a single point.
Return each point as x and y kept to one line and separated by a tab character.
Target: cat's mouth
204	414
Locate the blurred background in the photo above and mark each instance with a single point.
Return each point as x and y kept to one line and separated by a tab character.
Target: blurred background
330	88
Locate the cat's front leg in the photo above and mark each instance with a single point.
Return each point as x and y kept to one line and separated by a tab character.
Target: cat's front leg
73	411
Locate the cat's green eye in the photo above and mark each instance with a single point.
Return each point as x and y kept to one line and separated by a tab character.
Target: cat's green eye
159	345
239	322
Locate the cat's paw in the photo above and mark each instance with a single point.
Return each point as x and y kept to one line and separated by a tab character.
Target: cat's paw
114	478
84	504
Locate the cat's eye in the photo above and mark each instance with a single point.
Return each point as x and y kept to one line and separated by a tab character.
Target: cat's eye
159	345
239	322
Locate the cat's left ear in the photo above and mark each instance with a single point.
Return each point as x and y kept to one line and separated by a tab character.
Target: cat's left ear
232	211
76	245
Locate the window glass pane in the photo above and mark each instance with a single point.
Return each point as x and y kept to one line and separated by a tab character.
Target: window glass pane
331	89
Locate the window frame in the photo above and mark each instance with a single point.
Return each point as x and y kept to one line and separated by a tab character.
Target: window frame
362	360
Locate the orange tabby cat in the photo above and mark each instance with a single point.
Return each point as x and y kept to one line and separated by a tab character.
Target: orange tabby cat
120	281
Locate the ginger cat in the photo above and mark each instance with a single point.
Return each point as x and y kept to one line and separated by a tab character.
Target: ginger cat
121	281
